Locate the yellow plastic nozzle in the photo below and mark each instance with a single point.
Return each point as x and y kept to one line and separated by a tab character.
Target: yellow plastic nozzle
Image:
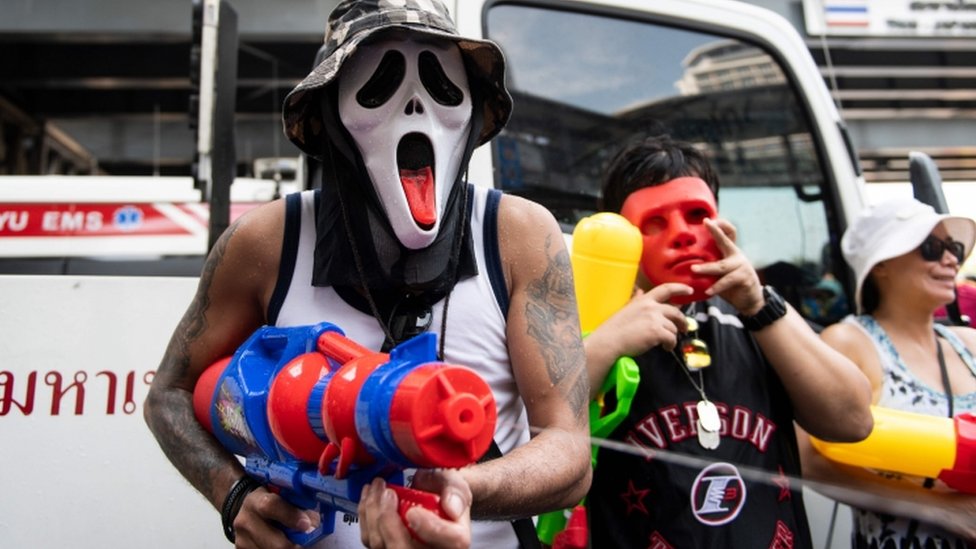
606	251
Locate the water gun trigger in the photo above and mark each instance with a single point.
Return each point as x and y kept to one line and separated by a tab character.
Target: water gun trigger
298	537
306	538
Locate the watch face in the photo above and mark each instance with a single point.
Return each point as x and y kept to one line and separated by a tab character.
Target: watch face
774	302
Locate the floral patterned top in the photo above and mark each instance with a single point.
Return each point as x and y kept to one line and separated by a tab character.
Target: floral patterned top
902	390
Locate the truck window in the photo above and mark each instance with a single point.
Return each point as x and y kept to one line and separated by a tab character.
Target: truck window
585	84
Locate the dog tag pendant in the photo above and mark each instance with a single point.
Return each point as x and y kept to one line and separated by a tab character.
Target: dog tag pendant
708	425
708	416
708	440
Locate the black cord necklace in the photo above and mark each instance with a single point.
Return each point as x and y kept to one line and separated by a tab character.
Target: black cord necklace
945	375
929	483
390	340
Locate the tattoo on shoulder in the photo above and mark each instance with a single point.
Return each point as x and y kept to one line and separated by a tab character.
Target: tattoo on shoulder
194	321
549	311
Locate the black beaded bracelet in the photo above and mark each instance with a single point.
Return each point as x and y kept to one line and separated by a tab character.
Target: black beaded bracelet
232	505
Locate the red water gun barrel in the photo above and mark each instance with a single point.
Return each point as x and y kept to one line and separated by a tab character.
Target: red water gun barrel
404	406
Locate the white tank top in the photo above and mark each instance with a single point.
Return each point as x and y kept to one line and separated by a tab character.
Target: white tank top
474	336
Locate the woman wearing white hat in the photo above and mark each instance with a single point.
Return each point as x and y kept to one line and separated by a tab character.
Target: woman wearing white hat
906	258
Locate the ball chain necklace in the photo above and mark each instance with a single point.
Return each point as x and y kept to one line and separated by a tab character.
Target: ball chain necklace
695	357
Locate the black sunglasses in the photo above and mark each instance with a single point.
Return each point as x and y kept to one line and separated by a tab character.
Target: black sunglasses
932	249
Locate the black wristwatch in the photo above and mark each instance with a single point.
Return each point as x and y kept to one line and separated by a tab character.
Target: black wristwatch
773	310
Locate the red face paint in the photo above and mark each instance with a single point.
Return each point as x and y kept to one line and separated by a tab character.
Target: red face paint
671	218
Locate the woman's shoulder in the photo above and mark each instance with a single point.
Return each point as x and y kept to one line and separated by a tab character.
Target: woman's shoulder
849	331
851	339
967	335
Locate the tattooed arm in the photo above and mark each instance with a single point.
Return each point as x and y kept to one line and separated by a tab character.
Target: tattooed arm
552	471
229	304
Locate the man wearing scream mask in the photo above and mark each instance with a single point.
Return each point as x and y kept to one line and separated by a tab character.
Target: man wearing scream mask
725	366
395	243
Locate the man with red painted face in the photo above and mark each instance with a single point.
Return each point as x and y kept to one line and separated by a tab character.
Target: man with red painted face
395	243
726	366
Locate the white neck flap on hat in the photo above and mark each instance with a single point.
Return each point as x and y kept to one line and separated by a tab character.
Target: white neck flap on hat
407	105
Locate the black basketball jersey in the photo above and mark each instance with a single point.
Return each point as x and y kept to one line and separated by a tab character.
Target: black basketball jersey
671	491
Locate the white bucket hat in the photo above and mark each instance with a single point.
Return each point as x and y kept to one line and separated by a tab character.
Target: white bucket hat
895	227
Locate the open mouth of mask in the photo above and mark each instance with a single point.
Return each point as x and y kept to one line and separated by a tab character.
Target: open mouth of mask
415	162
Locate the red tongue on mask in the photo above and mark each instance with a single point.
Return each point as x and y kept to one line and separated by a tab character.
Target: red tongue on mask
418	186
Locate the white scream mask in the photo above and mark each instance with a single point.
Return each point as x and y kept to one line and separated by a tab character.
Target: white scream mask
407	105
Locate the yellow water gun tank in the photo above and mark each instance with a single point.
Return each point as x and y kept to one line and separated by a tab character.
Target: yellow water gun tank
914	444
605	258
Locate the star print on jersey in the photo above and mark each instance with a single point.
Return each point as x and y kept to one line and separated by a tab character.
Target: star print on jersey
783	537
657	541
783	482
634	498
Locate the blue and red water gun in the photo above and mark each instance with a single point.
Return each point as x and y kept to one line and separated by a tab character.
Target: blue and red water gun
318	416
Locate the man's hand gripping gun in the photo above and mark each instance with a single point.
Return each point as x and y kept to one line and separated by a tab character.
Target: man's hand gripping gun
317	416
914	444
606	251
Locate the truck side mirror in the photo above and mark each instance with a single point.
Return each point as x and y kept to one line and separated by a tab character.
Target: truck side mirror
926	181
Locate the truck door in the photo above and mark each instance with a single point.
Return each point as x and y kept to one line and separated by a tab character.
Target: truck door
587	79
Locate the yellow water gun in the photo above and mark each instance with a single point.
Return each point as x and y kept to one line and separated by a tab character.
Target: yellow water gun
914	444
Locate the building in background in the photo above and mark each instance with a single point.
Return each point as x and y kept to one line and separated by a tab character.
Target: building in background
903	73
102	86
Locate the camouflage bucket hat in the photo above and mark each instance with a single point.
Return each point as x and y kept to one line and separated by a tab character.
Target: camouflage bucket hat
353	21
